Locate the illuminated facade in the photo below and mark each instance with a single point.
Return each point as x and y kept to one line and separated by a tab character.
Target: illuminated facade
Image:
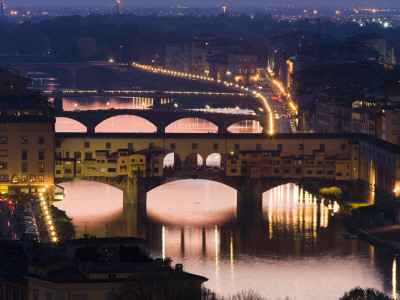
26	139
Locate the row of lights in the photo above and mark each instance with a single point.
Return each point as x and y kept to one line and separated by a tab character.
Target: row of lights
142	92
255	93
47	215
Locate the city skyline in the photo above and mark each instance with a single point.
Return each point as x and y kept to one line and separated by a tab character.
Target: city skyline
213	3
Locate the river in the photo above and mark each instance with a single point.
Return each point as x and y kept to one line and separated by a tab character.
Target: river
289	248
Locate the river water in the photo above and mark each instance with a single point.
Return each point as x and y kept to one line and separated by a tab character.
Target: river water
287	248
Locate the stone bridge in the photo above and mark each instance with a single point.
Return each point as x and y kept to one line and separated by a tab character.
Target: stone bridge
161	119
70	68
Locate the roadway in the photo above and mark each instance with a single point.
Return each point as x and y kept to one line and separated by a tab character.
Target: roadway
279	109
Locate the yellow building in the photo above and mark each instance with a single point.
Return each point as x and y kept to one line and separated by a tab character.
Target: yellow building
26	139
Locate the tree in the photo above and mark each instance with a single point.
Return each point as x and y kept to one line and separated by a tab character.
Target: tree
359	293
86	47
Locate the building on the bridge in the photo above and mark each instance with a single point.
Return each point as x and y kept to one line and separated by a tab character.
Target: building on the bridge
80	158
26	138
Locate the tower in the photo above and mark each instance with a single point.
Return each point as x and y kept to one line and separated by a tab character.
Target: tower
2	11
117	6
224	8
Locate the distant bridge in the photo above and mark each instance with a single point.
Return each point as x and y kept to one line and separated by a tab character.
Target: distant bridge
71	68
161	119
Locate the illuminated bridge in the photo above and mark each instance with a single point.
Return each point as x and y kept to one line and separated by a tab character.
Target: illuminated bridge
161	119
250	163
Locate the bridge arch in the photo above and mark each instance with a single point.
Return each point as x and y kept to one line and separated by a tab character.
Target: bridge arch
191	125
125	123
50	70
172	161
193	161
65	124
214	161
245	126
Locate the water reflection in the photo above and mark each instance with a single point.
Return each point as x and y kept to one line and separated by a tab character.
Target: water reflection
289	247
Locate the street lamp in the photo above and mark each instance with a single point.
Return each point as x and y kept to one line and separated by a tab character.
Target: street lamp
75	105
108	105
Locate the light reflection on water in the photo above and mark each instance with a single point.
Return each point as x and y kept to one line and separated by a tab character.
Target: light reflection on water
289	249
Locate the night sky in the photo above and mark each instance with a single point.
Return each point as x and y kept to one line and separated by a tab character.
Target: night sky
203	3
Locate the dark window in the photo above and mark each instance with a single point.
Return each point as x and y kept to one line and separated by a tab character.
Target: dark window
233	171
77	155
173	146
4	178
87	145
320	162
41	167
3	165
301	146
41	154
319	172
108	145
58	144
343	146
258	146
88	155
24	166
112	161
24	154
279	147
322	147
67	154
194	145
276	171
112	170
286	171
337	174
24	140
329	172
41	140
3	140
298	170
57	155
237	146
215	146
355	157
3	152
156	170
151	145
130	146
58	172
309	172
68	171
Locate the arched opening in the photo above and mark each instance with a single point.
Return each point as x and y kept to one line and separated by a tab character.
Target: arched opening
246	126
47	78
213	162
191	125
172	161
193	161
95	208
192	201
69	125
126	123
